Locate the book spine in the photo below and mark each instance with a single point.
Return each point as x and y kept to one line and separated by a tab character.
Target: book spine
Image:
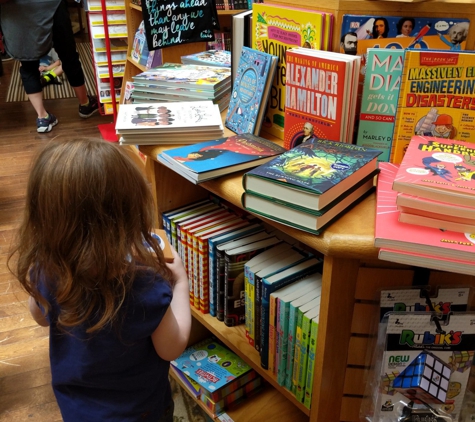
166	227
173	235
302	374
272	334
220	268
234	290
212	278
297	353
195	272
229	388
188	254
251	306
282	333
203	274
292	330
257	312
312	350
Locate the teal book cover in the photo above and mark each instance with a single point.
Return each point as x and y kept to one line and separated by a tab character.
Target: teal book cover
251	88
379	99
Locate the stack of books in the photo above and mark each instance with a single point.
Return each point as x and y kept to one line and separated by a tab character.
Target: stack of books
310	185
172	82
219	58
168	123
215	375
426	206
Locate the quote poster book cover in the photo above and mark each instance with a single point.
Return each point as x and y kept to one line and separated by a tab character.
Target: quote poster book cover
211	365
251	89
436	98
379	99
223	152
277	28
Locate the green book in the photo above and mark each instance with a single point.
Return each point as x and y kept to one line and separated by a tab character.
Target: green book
312	350
292	333
298	341
304	345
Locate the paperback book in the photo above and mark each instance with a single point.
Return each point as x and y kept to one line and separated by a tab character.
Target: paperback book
211	159
313	174
241	27
251	88
219	58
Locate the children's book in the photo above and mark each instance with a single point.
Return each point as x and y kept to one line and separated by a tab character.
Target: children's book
382	81
190	384
438	169
251	88
241	28
312	175
211	365
320	100
276	29
219	58
235	259
312	351
436	98
392	234
211	159
438	221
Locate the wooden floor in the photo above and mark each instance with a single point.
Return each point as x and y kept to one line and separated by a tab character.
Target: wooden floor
25	390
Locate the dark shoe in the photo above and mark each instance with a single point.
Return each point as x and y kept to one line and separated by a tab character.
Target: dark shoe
48	78
44	125
89	110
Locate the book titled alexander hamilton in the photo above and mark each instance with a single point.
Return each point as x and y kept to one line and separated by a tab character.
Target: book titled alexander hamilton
251	88
312	174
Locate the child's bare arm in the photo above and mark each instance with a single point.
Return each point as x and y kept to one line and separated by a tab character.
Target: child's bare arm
171	336
36	313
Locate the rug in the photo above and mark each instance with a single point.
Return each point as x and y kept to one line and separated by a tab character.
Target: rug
16	92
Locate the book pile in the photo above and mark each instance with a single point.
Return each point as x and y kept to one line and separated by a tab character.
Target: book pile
168	123
426	206
219	58
312	184
172	82
215	375
211	159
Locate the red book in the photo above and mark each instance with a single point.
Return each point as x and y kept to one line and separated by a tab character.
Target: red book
438	169
392	234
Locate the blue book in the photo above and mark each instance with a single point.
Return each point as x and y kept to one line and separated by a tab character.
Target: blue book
251	88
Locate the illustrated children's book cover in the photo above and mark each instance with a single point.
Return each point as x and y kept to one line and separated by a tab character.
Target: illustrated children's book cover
219	58
250	92
210	364
436	98
320	96
382	81
277	28
439	169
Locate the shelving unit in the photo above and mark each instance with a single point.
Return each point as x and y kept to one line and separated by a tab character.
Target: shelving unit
352	274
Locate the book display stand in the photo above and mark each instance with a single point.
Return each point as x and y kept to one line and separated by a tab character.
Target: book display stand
351	270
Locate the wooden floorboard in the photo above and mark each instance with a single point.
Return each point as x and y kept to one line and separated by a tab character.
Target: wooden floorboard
25	379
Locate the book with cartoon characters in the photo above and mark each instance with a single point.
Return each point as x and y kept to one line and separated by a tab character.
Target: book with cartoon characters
251	88
436	98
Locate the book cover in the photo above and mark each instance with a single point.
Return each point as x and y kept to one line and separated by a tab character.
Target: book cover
390	233
243	230
235	259
211	365
277	28
312	351
251	87
313	174
241	30
273	283
219	58
438	169
191	385
210	159
320	96
436	98
382	81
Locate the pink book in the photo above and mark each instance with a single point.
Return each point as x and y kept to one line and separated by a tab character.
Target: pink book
390	233
438	169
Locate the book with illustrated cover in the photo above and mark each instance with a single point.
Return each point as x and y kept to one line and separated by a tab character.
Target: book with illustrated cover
438	169
320	101
276	29
312	174
436	98
251	88
382	81
219	58
392	234
211	159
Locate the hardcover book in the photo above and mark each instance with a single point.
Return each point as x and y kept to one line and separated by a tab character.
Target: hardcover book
219	58
251	88
211	159
438	169
392	234
320	96
313	174
241	28
382	81
277	28
436	98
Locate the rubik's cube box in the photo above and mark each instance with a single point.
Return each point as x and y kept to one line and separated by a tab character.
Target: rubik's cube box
423	371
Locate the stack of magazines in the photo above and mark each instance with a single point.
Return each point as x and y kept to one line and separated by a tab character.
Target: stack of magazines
173	82
168	123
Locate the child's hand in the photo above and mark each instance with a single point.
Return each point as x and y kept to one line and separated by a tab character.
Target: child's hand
177	267
42	68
